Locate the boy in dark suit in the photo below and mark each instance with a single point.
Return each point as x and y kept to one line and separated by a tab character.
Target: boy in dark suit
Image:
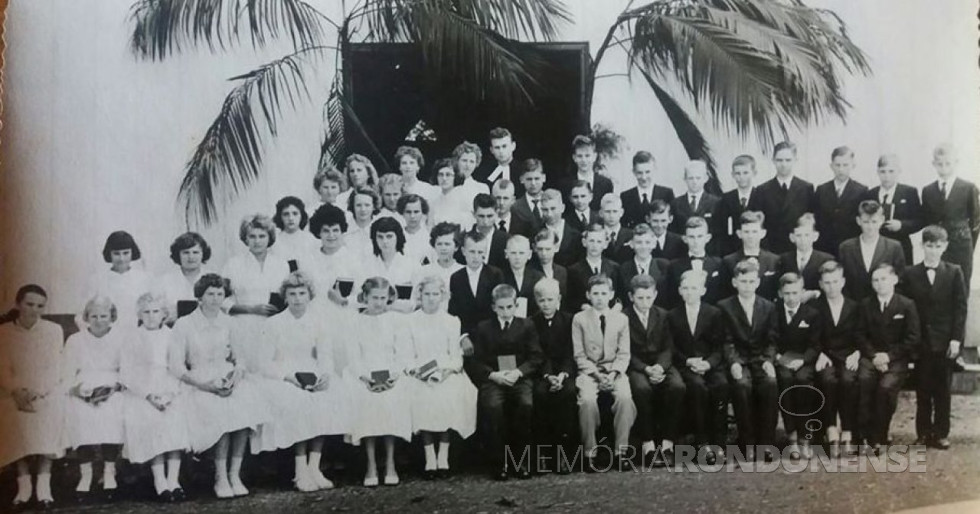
503	166
732	204
657	387
783	199
694	201
696	237
804	260
520	276
555	395
611	214
666	244
506	358
797	348
642	263
939	292
595	241
569	240
750	352
527	209
903	211
836	202
495	240
954	204
698	332
751	233
637	200
863	254
842	335
470	287
504	200
584	157
601	343
893	334
579	213
545	247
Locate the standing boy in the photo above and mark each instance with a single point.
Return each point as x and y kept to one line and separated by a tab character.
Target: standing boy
494	239
836	202
584	157
545	247
751	232
504	200
804	260
611	214
783	199
903	211
666	244
953	204
863	254
696	237
502	166
579	211
637	200
733	203
470	287
594	239
527	208
642	262
694	202
569	239
520	276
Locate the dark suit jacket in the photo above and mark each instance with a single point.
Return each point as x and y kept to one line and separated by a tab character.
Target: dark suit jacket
959	213
571	248
498	250
724	240
600	186
681	209
849	334
651	345
706	342
836	217
561	275
904	207
810	272
858	285
526	288
489	164
571	217
619	249
522	214
749	341
628	270
633	211
768	272
556	343
894	331
470	306
518	226
490	341
801	336
717	285
782	210
579	275
673	248
941	305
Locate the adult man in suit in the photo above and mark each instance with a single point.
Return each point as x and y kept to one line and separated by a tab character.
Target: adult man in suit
584	157
555	395
694	202
903	211
696	237
698	332
579	211
636	200
804	260
953	204
751	233
611	214
863	254
666	244
732	204
750	349
939	292
783	199
494	239
595	240
470	287
519	275
503	166
569	240
642	263
527	209
506	358
504	199
836	202
893	334
657	387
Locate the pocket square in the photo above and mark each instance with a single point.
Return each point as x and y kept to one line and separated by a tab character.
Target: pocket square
902	200
899	316
804	324
707	215
714	274
769	273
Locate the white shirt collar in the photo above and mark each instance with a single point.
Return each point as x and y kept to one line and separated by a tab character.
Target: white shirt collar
885	301
747	305
645	191
784	181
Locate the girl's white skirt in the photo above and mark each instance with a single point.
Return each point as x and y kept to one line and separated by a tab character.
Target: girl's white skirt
32	433
88	424
150	432
210	416
447	405
299	415
381	414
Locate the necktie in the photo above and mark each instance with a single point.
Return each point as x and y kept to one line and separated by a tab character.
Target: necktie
942	189
801	264
602	324
612	238
595	270
694	202
657	248
839	191
646	201
886	198
581	217
887	204
785	187
884	305
792	314
502	225
548	321
640	270
743	201
506	325
537	213
931	275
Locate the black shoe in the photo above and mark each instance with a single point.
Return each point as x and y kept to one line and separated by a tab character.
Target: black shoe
178	495
501	475
429	474
524	473
108	495
658	459
709	457
768	455
45	505
923	441
668	457
942	443
165	497
442	474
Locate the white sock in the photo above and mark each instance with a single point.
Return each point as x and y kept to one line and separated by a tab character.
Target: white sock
24	489
313	460
159	477
430	457
44	487
109	475
668	445
300	468
85	477
235	468
442	458
845	436
173	472
647	447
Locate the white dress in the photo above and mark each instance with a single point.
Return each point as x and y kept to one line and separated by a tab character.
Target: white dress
437	270
325	270
252	283
468	191
178	287
417	246
203	349
358	239
144	370
382	347
296	246
123	289
451	207
304	344
93	362
423	189
450	404
32	359
401	271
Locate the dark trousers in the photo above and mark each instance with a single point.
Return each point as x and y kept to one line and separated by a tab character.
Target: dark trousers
796	398
555	413
934	374
840	390
505	413
960	252
707	396
754	398
879	398
657	405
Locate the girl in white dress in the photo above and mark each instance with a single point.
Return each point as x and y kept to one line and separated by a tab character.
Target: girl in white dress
124	281
364	205
443	399
308	401
360	173
390	188
414	210
31	394
333	262
254	275
444	239
390	262
329	184
410	161
155	410
466	158
190	252
293	242
376	377
226	404
450	204
94	411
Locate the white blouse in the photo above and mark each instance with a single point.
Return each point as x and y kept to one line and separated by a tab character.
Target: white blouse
399	272
435	337
94	361
299	344
179	287
383	347
325	269
31	357
203	346
123	289
296	246
251	281
417	246
144	362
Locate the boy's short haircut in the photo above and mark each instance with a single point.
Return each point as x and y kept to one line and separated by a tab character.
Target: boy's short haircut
888	158
593	228
329	174
887	267
692	274
466	147
658	207
547	285
642	282
415	153
546	234
934	234
830	267
610	198
499	133
784	145
643	157
747	267
503	291
869	208
600	279
390	180
695	164
404	200
695	222
445	228
473	235
502	184
484	201
642	229
581	183
518	239
581	141
327	216
789	278
531	165
750	217
806	220
551	195
944	150
841	151
744	160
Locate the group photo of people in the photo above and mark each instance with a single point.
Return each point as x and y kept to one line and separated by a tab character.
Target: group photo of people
472	305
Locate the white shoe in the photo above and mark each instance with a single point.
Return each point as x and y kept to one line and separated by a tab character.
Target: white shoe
370	481
222	489
392	479
238	487
304	482
320	481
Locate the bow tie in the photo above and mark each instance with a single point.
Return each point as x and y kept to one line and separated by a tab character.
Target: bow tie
931	268
693	258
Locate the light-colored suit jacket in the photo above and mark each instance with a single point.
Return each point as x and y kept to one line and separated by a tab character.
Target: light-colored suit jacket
595	352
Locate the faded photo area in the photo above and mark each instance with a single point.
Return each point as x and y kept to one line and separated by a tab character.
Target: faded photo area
258	248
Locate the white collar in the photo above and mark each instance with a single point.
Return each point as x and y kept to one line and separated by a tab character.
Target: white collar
885	301
784	181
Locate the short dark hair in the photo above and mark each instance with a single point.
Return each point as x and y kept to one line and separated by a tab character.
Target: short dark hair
830	267
748	266
934	234
500	133
404	200
415	153
784	145
287	201
387	224
869	208
209	280
28	289
189	240
789	278
444	163
581	183
530	165
841	151
642	282
327	216
120	240
582	141
446	228
601	278
658	206
744	160
484	201
642	157
367	191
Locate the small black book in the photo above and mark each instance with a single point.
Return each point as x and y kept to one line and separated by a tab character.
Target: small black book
276	300
185	307
293	266
306	379
346	285
380	376
404	292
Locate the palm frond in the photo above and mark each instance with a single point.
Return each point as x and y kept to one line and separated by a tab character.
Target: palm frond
394	20
333	144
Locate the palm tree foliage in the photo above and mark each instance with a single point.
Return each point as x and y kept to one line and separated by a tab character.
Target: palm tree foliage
755	66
